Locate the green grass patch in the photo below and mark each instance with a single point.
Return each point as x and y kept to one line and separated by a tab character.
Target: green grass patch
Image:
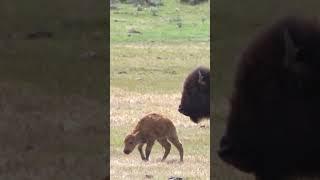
160	67
194	22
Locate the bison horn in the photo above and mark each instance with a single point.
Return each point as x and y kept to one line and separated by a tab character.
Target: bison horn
290	49
200	80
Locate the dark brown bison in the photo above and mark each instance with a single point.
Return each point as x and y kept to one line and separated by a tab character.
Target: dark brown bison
195	101
273	128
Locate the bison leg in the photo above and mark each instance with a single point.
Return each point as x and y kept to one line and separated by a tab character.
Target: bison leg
175	141
141	152
148	149
167	147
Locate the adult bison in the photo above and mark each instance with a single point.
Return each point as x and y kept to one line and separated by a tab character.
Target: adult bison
195	101
273	128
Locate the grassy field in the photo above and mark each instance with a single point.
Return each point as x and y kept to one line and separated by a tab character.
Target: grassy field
45	136
161	23
52	96
56	64
127	107
147	73
235	26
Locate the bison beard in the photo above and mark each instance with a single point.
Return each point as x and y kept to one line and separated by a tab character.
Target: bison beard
273	127
195	101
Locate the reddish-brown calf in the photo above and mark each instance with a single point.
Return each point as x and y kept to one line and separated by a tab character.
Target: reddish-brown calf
149	129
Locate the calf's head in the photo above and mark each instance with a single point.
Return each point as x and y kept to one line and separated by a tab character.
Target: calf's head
195	101
130	143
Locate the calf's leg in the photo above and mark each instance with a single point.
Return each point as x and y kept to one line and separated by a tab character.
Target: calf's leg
141	152
167	147
175	141
148	149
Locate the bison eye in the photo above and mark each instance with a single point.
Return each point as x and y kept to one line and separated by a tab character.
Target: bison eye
301	55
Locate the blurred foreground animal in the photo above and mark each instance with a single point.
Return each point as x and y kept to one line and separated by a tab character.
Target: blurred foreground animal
149	129
195	101
273	128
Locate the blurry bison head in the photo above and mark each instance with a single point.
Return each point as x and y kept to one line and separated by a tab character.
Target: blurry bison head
273	124
195	101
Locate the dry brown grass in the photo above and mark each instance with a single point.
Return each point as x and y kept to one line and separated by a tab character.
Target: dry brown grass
126	108
50	137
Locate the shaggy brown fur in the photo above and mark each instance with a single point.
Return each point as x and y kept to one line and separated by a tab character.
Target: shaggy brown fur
150	128
195	101
273	127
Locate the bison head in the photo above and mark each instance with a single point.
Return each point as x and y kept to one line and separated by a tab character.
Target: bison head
275	102
130	143
195	101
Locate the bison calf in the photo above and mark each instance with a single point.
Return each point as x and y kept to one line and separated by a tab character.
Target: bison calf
150	128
